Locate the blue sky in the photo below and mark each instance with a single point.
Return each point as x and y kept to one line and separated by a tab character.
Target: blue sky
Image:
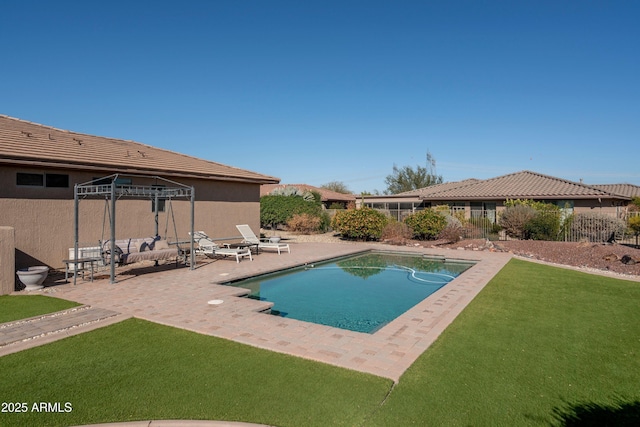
320	91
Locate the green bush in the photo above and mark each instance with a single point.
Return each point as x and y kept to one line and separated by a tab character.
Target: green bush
279	209
545	225
426	224
360	224
530	219
534	204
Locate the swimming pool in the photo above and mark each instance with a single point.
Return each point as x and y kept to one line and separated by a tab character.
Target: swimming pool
359	293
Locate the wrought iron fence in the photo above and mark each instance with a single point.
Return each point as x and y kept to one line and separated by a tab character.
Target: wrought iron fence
555	225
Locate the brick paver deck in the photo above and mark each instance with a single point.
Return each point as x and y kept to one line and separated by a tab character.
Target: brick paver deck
179	298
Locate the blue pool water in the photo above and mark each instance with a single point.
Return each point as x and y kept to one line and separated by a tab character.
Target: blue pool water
360	293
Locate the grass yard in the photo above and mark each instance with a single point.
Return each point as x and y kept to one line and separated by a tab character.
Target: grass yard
15	307
536	346
539	346
137	370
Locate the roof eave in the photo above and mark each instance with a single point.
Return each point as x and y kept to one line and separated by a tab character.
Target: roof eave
143	171
531	197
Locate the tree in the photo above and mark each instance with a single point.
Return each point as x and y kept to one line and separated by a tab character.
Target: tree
337	186
407	179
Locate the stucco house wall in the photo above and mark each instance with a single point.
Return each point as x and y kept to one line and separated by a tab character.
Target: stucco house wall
43	218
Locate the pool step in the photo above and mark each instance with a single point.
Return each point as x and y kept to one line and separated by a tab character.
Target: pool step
25	333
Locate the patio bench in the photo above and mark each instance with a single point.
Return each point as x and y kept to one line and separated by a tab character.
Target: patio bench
128	251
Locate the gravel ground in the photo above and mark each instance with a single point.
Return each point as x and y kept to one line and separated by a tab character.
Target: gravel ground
588	256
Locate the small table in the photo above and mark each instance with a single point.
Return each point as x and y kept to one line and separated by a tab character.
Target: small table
253	247
79	264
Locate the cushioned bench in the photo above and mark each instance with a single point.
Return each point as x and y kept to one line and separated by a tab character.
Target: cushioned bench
129	251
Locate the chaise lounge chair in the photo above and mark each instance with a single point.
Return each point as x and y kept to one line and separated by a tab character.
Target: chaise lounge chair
250	237
208	247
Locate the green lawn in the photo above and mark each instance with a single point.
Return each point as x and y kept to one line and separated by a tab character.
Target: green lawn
536	342
15	307
538	346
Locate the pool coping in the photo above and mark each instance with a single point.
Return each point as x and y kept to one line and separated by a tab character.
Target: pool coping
179	298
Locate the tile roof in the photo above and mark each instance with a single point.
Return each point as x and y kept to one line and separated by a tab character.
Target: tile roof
436	188
519	185
23	142
327	195
628	190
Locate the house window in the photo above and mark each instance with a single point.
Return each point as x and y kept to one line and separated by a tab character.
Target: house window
456	206
161	202
484	210
56	180
30	179
108	181
566	208
50	180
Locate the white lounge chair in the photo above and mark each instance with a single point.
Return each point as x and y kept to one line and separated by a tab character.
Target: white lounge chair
208	247
250	237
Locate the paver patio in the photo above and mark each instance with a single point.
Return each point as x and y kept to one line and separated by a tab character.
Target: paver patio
179	298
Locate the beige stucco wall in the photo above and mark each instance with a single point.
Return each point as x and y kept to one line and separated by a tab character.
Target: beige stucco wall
43	218
7	260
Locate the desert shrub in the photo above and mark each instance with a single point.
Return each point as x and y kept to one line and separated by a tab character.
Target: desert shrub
531	219
453	219
292	191
634	226
545	225
514	219
453	231
426	224
325	221
304	223
481	227
336	205
396	232
360	224
595	227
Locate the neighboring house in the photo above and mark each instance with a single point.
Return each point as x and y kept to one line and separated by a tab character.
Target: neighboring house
487	197
402	204
328	197
40	165
628	190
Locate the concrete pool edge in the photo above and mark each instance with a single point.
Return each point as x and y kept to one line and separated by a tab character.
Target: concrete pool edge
391	350
179	298
355	297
